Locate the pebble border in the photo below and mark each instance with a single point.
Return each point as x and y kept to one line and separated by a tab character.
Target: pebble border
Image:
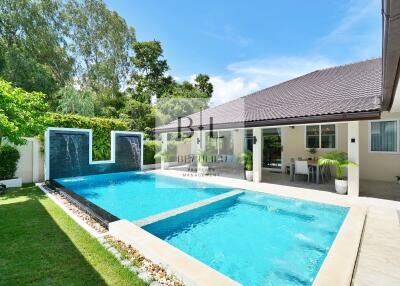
149	272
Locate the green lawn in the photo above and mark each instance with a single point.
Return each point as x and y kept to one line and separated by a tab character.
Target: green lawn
41	245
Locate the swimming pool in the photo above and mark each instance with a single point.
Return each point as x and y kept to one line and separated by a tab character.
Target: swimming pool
136	195
257	239
253	238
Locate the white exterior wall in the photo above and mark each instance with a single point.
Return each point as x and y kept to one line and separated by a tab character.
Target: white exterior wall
377	166
31	163
372	166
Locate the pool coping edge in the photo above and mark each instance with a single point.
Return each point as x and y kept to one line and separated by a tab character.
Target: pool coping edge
99	214
186	268
338	266
180	210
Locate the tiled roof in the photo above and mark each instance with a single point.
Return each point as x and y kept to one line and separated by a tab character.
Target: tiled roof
342	90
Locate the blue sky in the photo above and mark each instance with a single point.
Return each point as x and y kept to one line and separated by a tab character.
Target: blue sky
248	45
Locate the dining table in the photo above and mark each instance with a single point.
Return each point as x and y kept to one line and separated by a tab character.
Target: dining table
312	163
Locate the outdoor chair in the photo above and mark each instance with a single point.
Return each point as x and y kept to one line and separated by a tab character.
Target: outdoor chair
302	168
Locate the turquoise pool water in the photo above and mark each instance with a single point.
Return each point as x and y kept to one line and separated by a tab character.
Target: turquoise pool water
136	195
257	239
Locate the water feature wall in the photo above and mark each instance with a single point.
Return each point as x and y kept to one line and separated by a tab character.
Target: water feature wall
68	153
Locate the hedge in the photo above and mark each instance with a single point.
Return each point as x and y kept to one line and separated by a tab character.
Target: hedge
9	158
101	127
150	148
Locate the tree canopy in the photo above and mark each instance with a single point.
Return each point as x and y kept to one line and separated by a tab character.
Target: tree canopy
22	113
84	59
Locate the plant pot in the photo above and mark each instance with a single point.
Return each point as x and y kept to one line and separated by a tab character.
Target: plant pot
249	175
341	186
12	183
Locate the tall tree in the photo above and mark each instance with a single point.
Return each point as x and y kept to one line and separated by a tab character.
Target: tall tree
149	77
101	42
33	47
203	84
75	101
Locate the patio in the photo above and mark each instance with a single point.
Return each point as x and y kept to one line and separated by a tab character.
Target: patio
368	188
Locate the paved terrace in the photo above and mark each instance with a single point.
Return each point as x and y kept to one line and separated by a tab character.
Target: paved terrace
378	260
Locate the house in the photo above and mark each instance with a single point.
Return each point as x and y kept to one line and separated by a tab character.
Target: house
353	108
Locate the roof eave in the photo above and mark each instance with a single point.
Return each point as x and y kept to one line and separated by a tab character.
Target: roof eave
390	51
340	117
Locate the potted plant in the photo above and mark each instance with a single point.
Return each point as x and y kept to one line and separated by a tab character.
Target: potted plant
341	162
9	158
162	156
247	161
202	167
313	151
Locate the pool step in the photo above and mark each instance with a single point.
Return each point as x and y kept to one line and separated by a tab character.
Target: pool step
310	244
291	277
280	210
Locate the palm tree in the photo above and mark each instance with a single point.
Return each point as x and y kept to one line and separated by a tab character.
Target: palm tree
337	159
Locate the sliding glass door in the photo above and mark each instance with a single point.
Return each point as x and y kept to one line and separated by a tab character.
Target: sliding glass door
272	149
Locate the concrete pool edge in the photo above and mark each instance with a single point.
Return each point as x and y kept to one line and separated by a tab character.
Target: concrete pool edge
338	266
186	208
336	270
186	268
99	214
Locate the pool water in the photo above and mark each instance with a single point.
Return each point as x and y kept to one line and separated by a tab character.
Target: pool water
137	195
257	239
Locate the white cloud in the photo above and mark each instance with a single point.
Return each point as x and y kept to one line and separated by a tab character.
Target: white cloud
249	76
228	89
356	37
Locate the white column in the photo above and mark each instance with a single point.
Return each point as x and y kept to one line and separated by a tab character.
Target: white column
353	173
257	154
203	140
164	147
201	146
35	160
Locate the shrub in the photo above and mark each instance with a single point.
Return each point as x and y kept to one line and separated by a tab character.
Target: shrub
9	158
22	113
101	127
153	147
150	148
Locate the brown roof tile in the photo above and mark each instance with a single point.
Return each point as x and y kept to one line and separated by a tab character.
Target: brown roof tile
346	89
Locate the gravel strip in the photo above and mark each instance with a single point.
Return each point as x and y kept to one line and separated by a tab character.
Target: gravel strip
146	270
152	273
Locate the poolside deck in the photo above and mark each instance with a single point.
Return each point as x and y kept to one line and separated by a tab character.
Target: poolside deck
378	258
368	188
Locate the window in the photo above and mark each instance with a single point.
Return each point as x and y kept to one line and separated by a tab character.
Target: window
384	136
248	140
312	136
225	142
328	136
220	143
321	136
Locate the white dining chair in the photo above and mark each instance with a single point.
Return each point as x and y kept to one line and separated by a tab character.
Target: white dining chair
301	168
